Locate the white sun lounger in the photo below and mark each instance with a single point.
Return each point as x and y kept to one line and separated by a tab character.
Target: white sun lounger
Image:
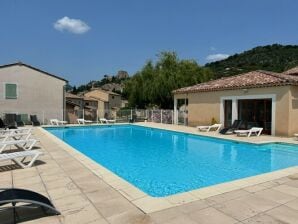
296	136
106	121
14	136
14	156
57	122
18	130
24	144
256	131
215	127
83	121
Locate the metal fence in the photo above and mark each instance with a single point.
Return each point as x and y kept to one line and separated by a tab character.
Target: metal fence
94	115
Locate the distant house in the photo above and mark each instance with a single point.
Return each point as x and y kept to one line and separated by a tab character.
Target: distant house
108	102
74	107
258	98
124	103
80	107
27	90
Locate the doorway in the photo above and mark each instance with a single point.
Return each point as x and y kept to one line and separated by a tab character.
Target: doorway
227	113
256	113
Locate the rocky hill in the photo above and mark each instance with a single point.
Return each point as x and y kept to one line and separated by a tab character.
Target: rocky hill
114	83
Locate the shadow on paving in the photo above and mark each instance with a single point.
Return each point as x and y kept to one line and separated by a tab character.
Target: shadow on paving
10	167
9	215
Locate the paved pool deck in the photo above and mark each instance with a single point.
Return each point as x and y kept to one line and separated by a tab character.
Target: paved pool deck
85	192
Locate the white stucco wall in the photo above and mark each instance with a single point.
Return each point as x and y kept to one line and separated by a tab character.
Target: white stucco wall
38	93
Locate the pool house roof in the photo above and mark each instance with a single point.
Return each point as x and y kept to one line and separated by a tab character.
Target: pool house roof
254	79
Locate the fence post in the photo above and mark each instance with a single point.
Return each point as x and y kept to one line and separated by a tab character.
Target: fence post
97	116
130	114
175	112
160	116
152	116
83	114
43	117
172	116
116	115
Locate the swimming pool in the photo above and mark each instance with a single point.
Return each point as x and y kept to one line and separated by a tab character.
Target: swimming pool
163	163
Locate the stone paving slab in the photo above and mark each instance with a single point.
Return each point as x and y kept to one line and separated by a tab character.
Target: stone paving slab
141	200
83	196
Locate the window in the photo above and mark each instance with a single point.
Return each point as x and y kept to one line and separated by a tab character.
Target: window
10	91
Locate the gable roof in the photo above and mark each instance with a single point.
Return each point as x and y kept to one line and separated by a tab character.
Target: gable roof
31	67
69	102
70	95
103	91
98	98
86	98
254	79
73	96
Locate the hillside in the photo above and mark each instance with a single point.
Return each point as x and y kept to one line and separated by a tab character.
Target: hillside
275	58
153	84
114	83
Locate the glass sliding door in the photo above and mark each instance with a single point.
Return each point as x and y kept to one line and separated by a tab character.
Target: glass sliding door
256	113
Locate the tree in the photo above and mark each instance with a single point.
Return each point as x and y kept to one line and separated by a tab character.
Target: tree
153	85
74	90
68	87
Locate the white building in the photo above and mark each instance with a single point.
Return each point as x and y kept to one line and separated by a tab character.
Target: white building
29	91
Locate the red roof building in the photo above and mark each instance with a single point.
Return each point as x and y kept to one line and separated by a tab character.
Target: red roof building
258	98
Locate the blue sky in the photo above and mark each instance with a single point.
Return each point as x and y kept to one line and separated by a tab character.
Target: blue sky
110	35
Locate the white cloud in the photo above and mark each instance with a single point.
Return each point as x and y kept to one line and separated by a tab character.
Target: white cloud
216	57
71	25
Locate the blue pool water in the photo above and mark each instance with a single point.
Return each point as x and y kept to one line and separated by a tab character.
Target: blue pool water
163	163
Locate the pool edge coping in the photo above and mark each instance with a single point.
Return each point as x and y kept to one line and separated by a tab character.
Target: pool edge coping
149	204
222	136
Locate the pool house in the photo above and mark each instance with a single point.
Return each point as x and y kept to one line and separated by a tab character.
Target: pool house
258	98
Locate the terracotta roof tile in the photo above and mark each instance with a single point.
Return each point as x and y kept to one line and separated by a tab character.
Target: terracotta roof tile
97	98
72	103
70	95
104	91
252	79
86	98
